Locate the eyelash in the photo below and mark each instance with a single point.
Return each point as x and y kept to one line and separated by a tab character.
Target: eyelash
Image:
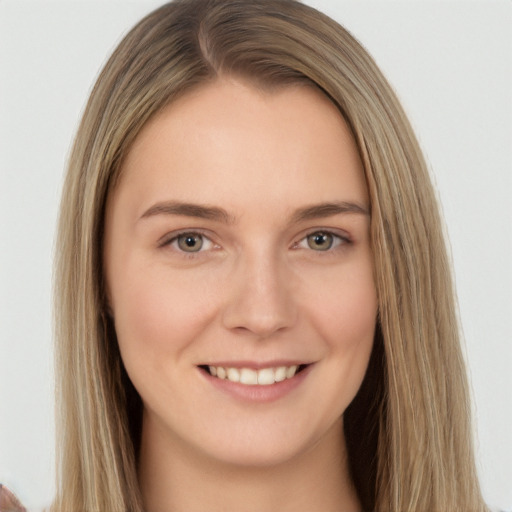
173	239
339	242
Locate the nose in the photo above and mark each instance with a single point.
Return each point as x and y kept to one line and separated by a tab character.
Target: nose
260	297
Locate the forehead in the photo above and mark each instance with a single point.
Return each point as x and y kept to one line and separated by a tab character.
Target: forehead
228	142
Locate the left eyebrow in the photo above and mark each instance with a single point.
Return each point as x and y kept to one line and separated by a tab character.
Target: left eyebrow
328	210
189	210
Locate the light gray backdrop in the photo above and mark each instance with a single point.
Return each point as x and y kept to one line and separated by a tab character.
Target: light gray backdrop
450	62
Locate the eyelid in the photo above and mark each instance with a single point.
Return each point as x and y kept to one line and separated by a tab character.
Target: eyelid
170	238
343	238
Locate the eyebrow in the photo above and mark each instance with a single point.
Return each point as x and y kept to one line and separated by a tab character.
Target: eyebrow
215	213
328	210
189	210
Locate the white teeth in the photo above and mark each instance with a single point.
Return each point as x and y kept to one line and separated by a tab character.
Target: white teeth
266	377
280	373
249	377
233	375
290	371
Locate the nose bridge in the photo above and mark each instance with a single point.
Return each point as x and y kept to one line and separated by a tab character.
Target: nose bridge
259	294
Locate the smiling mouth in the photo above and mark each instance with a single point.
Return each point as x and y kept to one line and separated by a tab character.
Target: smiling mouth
250	377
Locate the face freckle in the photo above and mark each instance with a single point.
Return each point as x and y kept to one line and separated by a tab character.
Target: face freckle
237	247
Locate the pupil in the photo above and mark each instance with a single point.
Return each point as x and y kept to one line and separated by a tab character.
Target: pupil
190	242
320	241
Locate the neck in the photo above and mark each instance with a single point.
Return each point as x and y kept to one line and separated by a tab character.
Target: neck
177	479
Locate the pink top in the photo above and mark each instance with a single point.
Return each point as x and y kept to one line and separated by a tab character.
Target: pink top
9	502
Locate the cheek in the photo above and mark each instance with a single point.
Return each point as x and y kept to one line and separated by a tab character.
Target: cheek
345	315
344	309
157	316
350	344
342	314
352	316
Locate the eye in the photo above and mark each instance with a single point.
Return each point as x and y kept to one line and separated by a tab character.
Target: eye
321	241
190	242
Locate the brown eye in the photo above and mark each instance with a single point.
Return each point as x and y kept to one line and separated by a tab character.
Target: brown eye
190	242
320	241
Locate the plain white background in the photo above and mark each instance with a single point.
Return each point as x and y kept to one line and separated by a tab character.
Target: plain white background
450	62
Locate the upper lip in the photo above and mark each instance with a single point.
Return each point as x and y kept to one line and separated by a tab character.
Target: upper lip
257	365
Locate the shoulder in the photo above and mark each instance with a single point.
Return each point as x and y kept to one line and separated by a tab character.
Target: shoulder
9	502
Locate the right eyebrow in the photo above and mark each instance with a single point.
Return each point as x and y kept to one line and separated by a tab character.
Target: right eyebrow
189	210
329	209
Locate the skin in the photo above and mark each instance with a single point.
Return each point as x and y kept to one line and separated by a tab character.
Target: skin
258	290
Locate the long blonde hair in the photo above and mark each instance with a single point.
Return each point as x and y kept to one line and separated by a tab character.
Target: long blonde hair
408	429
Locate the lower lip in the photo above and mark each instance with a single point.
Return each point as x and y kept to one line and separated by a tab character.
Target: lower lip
256	393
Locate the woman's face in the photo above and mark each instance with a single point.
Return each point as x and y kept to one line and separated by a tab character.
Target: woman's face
239	272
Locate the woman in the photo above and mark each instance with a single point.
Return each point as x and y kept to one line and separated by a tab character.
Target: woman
393	425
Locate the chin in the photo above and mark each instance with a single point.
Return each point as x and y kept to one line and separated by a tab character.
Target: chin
257	457
270	447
